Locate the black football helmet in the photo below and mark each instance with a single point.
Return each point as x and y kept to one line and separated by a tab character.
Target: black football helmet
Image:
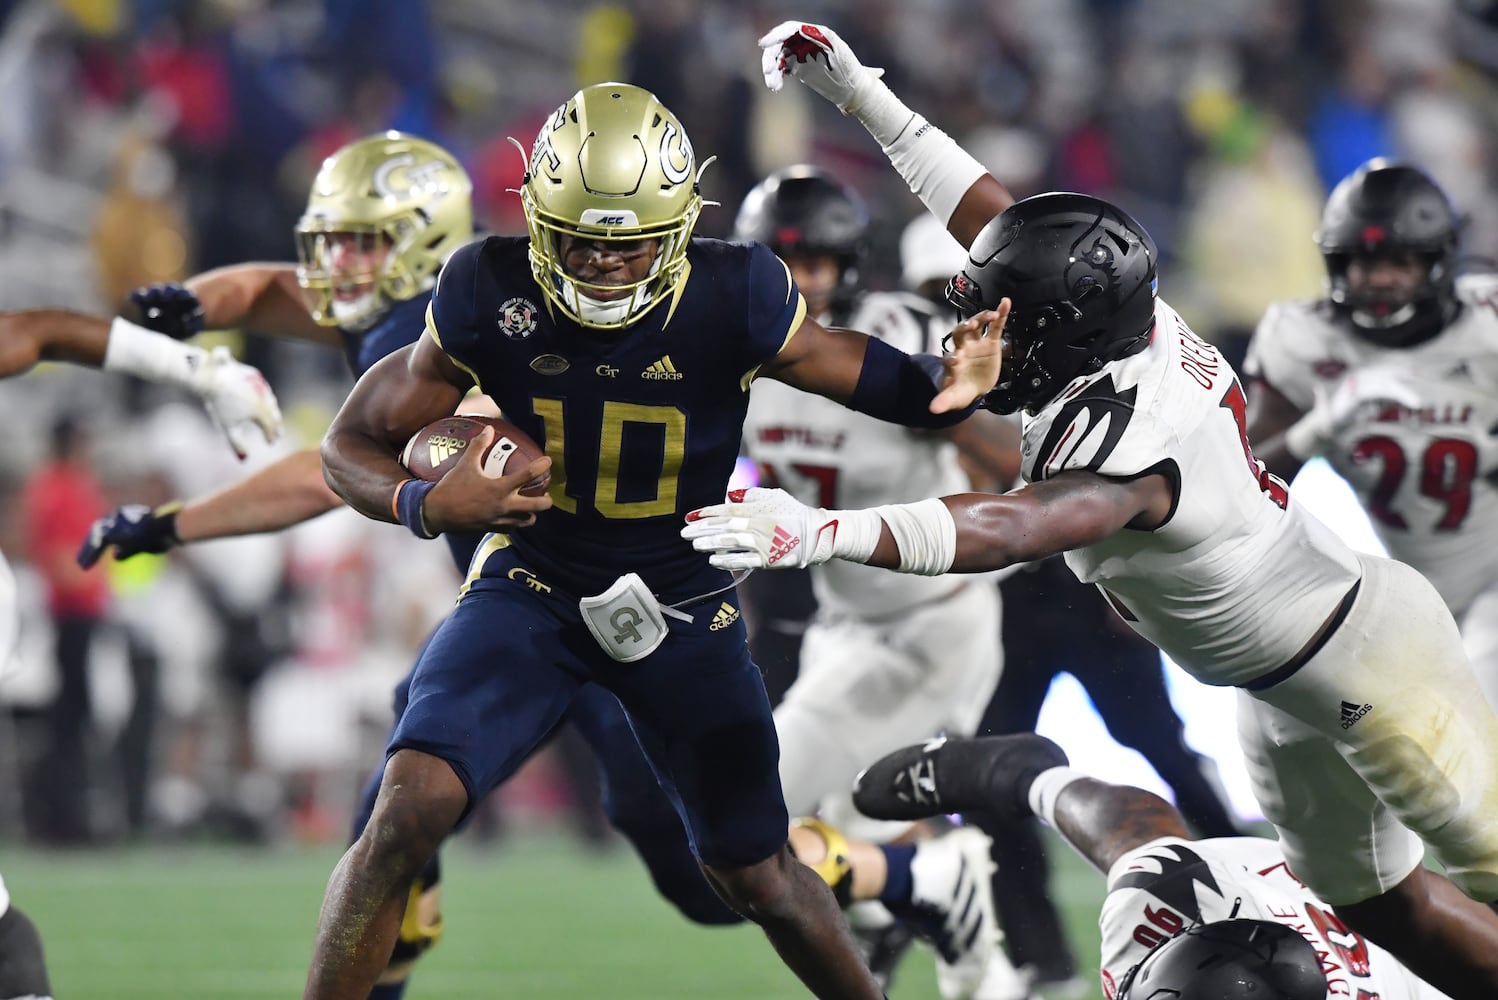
1229	960
805	210
1080	274
1391	208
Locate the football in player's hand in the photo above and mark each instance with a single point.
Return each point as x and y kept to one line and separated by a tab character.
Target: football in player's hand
435	449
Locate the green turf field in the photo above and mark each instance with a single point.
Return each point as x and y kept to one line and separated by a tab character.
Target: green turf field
533	917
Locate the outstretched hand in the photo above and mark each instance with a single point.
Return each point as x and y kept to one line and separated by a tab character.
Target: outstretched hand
131	530
815	55
238	398
759	528
974	360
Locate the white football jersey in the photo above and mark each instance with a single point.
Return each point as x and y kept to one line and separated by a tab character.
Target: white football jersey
1238	579
1415	468
1157	890
827	455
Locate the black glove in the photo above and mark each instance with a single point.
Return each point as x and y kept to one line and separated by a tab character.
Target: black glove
131	529
169	309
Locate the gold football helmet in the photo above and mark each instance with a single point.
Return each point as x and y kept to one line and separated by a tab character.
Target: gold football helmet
611	165
384	213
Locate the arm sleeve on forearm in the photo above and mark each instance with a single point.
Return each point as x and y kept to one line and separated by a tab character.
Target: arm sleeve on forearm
899	387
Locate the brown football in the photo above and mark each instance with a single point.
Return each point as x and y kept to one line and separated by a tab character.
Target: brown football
436	448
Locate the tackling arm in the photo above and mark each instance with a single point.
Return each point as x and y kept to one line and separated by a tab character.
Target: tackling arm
868	375
264	298
966	533
952	185
1042	519
288	492
50	335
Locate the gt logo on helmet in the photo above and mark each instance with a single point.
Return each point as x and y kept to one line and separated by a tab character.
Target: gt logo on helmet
391	181
676	154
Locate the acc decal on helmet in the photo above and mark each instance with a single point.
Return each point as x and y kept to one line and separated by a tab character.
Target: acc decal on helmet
383	214
612	165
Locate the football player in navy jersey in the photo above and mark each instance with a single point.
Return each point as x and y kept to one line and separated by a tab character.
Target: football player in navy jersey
383	213
1364	732
626	347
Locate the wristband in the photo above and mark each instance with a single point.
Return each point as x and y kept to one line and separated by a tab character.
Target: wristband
153	356
410	497
166	518
925	534
856	535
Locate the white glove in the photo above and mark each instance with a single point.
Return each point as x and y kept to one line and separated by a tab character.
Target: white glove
1334	411
768	529
238	398
815	55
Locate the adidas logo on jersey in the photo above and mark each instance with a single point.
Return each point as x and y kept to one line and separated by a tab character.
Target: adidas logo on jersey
725	616
442	447
782	545
1352	712
662	371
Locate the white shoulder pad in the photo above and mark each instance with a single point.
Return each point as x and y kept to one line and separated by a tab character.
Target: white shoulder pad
1289	343
1098	426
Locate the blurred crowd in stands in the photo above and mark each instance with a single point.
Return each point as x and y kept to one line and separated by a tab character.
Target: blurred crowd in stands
241	688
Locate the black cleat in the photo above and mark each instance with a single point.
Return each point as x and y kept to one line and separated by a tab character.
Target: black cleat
947	776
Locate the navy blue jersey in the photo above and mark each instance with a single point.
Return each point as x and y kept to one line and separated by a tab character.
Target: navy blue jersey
642	425
401	327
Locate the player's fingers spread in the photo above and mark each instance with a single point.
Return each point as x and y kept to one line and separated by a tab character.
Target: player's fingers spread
986	325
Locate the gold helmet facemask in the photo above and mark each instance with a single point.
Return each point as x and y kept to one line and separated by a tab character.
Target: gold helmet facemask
611	165
384	213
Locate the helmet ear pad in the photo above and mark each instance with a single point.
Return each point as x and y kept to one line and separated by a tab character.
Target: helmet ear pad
1229	960
1080	276
1390	209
